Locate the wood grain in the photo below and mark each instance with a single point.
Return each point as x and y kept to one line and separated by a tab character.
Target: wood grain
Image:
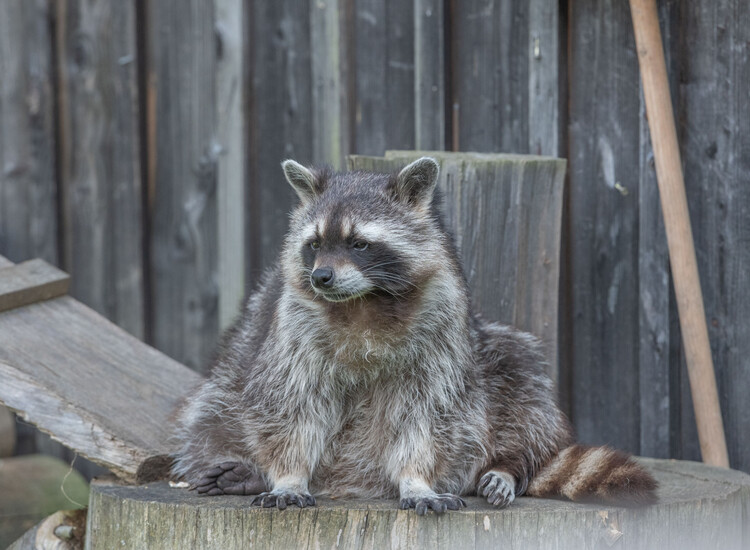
281	122
100	158
329	72
700	507
182	65
384	74
231	130
603	345
91	385
505	213
430	70
29	282
28	189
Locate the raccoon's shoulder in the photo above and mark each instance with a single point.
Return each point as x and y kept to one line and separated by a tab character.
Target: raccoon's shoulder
239	343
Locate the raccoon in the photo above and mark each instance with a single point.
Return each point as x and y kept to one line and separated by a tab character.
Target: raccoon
358	369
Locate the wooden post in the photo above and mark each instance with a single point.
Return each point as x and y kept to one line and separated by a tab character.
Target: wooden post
699	507
679	235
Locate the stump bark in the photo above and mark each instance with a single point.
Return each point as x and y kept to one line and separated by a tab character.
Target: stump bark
699	507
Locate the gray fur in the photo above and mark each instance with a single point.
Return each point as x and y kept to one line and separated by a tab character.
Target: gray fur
384	384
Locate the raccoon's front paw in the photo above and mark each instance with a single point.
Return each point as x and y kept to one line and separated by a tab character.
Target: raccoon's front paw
281	498
230	478
437	503
498	488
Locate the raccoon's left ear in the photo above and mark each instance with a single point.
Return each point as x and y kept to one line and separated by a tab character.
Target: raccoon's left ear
301	179
415	184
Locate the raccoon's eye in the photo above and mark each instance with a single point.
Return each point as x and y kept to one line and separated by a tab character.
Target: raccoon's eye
360	245
315	245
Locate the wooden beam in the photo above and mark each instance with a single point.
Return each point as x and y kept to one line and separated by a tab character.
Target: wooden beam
30	282
91	385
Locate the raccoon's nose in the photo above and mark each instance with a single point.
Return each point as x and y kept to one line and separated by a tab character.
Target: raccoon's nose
322	277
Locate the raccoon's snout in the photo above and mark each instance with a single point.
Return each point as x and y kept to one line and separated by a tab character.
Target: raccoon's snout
322	277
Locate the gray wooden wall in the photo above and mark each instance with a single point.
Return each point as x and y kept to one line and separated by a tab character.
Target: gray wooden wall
140	143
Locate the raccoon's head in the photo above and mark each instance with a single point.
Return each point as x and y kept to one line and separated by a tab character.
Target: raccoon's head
363	235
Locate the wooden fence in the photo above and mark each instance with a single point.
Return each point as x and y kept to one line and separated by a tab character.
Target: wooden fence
140	143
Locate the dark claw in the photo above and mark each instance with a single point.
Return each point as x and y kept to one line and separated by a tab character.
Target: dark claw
483	483
438	504
282	500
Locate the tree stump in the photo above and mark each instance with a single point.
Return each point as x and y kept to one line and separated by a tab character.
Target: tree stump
699	507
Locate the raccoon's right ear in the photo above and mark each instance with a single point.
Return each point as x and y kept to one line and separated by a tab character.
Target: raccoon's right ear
416	183
301	179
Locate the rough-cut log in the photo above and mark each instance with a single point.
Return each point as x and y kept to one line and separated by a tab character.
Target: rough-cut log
30	282
505	212
700	507
31	488
91	385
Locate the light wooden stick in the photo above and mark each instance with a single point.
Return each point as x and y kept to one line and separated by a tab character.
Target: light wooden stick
679	235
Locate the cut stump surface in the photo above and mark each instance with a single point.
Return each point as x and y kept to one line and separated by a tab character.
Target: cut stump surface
699	507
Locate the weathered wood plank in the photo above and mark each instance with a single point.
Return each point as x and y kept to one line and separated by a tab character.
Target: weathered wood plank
604	156
713	120
100	158
281	121
490	79
544	59
330	68
29	282
510	250
183	216
429	75
700	507
91	385
231	90
28	187
384	75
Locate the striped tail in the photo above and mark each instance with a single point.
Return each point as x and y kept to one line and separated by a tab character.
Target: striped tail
595	474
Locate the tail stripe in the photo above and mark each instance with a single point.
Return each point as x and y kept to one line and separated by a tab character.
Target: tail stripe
595	474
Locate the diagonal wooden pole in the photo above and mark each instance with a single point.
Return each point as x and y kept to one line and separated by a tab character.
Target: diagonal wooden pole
679	235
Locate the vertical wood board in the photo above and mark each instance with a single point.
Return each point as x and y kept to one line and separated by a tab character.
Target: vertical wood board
182	69
28	176
604	155
281	122
231	134
100	158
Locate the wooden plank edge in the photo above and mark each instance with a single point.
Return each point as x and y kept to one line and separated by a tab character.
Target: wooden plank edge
71	426
30	282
